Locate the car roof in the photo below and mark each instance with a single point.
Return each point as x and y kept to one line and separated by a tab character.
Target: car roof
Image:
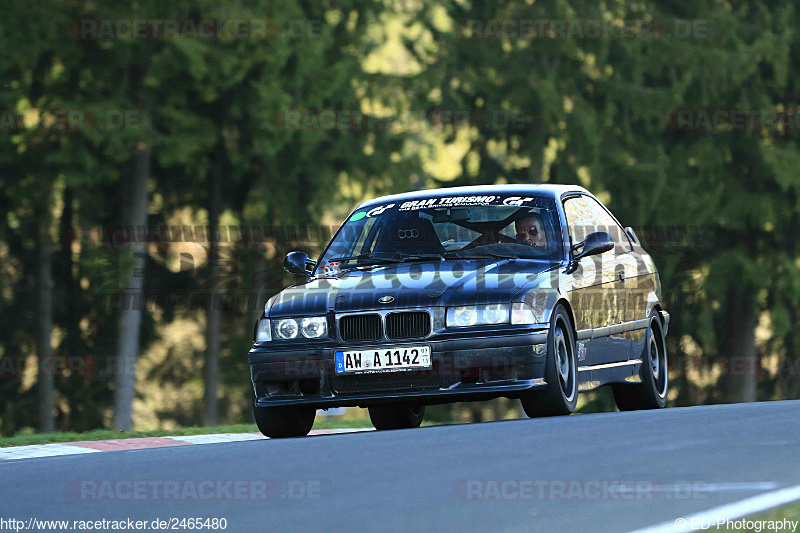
548	189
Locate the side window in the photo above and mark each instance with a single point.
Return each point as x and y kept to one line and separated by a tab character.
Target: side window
585	215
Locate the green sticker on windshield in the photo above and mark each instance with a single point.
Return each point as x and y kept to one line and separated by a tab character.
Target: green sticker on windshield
358	216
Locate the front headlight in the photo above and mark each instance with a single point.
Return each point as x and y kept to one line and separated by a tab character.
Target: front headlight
462	316
473	315
496	314
309	328
263	331
313	327
286	329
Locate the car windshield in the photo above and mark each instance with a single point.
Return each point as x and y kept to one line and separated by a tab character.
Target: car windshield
442	228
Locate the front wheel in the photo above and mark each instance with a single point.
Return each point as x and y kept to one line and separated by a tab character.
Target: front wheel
398	416
561	371
286	421
651	393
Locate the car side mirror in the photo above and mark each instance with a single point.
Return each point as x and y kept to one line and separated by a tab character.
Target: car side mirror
595	243
298	263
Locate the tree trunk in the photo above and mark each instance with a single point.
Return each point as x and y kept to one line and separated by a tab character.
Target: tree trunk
214	314
44	326
744	363
260	280
787	379
133	298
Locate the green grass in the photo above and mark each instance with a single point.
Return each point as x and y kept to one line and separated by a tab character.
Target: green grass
28	438
789	511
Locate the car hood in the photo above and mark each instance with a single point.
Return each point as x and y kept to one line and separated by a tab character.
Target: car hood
411	285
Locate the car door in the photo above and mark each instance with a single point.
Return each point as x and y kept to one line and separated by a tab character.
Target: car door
627	273
643	288
598	291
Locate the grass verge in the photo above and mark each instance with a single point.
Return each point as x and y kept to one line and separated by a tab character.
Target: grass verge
28	438
790	511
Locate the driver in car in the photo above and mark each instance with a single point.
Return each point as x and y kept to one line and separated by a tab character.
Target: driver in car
529	229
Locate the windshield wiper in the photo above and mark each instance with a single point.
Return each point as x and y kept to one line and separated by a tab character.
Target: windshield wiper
419	257
365	260
480	255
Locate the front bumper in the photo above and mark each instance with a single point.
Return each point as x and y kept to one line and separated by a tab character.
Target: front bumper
464	368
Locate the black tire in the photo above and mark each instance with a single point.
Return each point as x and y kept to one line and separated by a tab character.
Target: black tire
288	421
396	416
561	371
651	393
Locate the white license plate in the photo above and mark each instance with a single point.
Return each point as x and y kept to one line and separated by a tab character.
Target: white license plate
383	359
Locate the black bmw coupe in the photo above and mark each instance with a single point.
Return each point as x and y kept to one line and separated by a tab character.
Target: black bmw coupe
534	292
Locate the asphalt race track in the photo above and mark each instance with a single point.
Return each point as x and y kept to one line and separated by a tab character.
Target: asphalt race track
600	472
